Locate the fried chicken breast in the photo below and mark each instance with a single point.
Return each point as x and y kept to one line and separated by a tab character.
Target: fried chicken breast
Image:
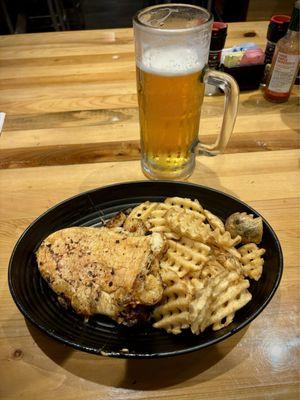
100	270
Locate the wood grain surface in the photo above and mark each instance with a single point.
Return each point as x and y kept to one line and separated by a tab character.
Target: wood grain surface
72	125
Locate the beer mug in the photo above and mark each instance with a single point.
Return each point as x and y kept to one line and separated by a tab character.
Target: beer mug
172	45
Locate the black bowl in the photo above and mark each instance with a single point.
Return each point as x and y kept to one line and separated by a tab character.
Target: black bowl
101	335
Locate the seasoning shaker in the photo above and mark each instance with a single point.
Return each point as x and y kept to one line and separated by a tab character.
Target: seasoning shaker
218	38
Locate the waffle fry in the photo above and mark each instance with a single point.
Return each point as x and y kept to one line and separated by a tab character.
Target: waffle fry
186	204
228	259
217	299
223	240
152	215
220	261
188	224
184	258
200	306
142	211
173	312
211	269
158	223
251	260
234	298
203	270
214	221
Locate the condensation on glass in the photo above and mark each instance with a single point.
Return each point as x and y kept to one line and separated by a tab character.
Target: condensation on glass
172	45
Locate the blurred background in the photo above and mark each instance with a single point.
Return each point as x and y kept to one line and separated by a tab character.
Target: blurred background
26	16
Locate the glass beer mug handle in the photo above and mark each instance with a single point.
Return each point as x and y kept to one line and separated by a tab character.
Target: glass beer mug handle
231	90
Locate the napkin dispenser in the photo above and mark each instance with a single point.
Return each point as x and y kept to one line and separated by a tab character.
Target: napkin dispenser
246	66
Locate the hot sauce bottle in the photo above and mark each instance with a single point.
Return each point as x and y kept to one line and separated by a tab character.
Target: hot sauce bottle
285	62
277	28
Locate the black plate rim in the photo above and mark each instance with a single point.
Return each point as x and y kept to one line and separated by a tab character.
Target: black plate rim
129	355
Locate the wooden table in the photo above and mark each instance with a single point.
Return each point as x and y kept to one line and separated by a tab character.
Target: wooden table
72	125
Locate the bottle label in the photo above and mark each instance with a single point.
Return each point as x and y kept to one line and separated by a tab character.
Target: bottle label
214	58
270	48
283	72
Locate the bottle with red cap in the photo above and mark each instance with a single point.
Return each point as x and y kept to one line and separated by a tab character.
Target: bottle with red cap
285	62
277	28
218	38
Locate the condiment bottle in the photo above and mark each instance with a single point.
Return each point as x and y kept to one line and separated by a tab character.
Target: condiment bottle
218	37
285	62
277	28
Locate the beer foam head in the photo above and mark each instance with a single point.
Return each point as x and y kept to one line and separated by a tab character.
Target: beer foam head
172	61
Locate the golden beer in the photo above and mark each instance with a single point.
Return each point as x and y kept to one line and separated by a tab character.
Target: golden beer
169	109
171	50
170	95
